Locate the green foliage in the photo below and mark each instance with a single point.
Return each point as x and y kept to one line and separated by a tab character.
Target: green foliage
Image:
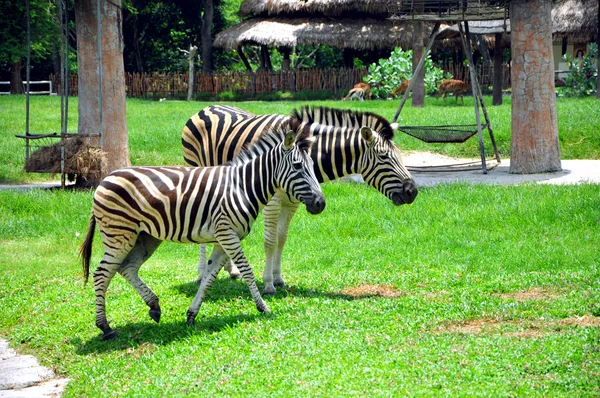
387	74
583	74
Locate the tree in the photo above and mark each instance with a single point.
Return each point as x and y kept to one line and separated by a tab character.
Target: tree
114	124
534	141
207	44
13	35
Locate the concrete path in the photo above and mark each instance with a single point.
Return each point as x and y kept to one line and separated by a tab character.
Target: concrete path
22	376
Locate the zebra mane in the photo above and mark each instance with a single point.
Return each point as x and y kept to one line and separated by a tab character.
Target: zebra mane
343	118
271	139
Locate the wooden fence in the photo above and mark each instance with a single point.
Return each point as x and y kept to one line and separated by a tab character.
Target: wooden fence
338	81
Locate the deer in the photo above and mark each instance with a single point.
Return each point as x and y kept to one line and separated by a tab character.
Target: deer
364	87
457	87
401	89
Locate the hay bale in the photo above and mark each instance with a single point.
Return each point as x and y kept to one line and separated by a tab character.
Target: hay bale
80	159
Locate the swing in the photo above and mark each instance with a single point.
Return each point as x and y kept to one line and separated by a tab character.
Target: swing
69	156
461	11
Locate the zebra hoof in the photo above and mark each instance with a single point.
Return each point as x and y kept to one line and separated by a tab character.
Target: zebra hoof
263	307
155	315
109	335
279	282
269	289
191	317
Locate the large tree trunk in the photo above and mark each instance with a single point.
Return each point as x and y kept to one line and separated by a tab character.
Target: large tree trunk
16	81
207	45
114	125
498	71
534	143
418	90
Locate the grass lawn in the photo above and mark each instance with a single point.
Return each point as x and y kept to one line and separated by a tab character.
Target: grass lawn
155	127
469	291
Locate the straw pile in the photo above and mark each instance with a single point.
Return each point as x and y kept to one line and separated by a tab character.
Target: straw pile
80	159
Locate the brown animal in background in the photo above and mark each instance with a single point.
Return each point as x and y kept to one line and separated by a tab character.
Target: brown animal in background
457	87
366	88
401	89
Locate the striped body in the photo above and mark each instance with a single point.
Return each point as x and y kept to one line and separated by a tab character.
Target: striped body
347	142
453	86
139	207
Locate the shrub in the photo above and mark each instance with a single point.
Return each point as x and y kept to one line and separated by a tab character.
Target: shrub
387	74
583	74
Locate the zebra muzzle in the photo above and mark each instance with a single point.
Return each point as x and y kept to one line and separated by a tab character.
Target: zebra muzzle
315	204
406	194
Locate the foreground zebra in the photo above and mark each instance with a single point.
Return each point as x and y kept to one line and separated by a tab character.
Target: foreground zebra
347	142
136	208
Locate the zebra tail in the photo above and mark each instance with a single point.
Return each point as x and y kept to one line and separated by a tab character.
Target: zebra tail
85	251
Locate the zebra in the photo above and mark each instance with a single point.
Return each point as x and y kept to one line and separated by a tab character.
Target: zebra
137	208
347	142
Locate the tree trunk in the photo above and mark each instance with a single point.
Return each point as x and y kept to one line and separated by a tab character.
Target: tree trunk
498	72
418	90
286	62
207	44
114	123
534	141
16	81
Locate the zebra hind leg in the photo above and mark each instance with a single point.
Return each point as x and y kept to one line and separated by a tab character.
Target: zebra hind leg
214	264
283	227
102	276
144	246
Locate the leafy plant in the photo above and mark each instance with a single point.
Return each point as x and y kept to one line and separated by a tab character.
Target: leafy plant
387	74
583	73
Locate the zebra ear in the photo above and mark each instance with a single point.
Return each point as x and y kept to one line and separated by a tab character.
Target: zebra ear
290	137
367	134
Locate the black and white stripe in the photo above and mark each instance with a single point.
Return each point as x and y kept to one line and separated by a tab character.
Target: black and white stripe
139	207
347	142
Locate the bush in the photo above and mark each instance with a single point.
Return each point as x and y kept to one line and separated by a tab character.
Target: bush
387	74
583	74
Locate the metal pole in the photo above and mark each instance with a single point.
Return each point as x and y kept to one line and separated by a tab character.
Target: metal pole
417	69
99	43
474	89
28	78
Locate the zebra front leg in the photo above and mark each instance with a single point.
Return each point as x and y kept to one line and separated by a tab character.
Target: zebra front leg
283	227
271	217
144	246
230	242
214	264
202	262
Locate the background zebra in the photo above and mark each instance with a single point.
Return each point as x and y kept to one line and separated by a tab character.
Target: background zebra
139	207
347	142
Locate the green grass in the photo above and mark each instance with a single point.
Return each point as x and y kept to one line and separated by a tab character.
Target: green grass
494	289
155	127
496	294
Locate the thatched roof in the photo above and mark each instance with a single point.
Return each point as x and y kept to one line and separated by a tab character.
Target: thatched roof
577	19
332	8
358	34
404	10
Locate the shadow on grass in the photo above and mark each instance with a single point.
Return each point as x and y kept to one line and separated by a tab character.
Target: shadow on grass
225	289
136	334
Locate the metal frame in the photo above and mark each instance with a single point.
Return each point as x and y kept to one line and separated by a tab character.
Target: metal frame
456	10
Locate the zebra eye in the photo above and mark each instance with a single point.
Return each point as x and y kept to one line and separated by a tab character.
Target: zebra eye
297	165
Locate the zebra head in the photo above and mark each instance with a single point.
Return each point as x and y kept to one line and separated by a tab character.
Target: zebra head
295	173
383	169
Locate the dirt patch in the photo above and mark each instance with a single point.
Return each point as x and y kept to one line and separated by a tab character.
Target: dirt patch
525	328
534	293
387	291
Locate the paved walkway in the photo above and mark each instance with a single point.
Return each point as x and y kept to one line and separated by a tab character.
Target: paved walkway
22	376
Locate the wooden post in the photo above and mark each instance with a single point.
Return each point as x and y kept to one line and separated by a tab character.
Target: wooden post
191	54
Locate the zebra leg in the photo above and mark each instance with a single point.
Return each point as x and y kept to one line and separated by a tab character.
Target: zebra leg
270	216
202	262
230	242
145	245
214	264
283	227
102	277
